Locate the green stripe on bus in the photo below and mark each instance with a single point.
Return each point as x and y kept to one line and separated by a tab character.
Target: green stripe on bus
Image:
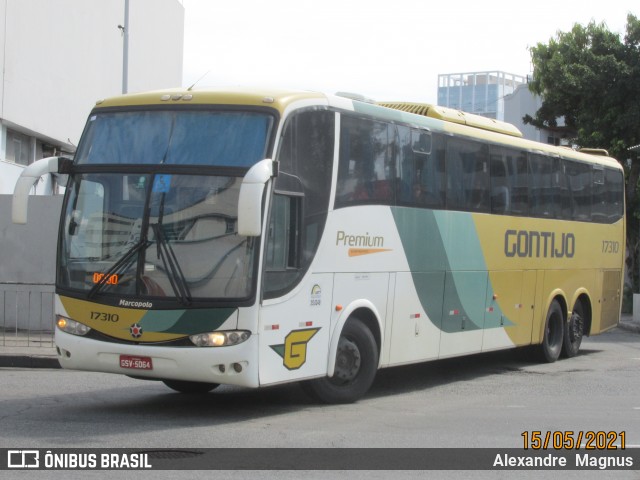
186	322
447	267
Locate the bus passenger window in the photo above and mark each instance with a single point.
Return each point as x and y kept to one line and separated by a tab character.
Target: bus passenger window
500	191
509	177
433	176
542	186
579	180
468	180
518	182
422	172
614	186
599	206
367	168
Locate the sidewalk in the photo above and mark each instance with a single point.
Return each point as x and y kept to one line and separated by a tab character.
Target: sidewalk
24	350
21	351
627	323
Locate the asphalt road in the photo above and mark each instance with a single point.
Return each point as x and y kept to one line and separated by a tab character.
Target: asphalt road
486	400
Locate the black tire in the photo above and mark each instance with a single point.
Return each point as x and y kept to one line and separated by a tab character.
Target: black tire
356	367
190	387
553	339
573	332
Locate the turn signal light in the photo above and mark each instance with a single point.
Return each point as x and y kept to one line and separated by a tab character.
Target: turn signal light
71	326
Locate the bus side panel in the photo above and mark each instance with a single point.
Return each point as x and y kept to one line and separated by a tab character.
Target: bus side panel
463	313
528	314
539	309
509	313
294	332
361	290
415	333
611	297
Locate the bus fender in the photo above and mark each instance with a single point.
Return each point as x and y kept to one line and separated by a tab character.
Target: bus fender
576	296
345	314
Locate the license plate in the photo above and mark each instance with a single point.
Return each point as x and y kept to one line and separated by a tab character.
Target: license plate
136	363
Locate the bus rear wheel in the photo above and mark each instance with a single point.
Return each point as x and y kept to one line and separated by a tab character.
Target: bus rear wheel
355	370
574	331
190	387
553	339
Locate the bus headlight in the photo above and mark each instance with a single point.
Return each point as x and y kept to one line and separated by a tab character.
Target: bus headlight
220	339
71	326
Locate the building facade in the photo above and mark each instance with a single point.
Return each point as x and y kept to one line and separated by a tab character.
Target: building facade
523	102
498	95
59	57
481	93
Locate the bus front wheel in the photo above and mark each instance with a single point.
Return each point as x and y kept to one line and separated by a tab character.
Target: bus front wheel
190	387
355	370
553	338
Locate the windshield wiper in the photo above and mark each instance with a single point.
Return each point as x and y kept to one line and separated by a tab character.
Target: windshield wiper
170	261
120	266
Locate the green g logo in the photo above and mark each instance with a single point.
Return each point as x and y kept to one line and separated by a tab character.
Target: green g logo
294	349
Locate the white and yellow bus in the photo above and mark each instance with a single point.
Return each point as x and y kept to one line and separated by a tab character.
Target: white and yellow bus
259	237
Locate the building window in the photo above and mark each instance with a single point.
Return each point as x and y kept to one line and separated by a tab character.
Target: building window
18	148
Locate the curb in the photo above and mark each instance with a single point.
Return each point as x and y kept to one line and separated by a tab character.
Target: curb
630	326
28	361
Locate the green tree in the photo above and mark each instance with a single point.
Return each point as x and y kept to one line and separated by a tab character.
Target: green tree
590	78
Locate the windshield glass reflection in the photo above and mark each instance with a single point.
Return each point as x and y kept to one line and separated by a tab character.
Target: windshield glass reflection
164	235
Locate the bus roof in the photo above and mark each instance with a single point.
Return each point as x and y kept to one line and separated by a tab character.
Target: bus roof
277	99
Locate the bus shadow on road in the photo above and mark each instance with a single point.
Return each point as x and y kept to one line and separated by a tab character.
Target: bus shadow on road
423	376
232	404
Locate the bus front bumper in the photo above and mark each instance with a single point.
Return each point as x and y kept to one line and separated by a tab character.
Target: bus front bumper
232	365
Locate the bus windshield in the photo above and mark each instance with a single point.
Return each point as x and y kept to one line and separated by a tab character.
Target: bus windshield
140	223
172	137
168	236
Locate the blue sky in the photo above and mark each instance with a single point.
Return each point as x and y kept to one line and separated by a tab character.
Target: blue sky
391	50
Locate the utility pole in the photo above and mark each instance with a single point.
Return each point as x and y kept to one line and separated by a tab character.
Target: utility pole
125	49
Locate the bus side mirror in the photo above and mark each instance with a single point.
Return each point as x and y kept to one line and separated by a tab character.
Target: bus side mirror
28	177
251	193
